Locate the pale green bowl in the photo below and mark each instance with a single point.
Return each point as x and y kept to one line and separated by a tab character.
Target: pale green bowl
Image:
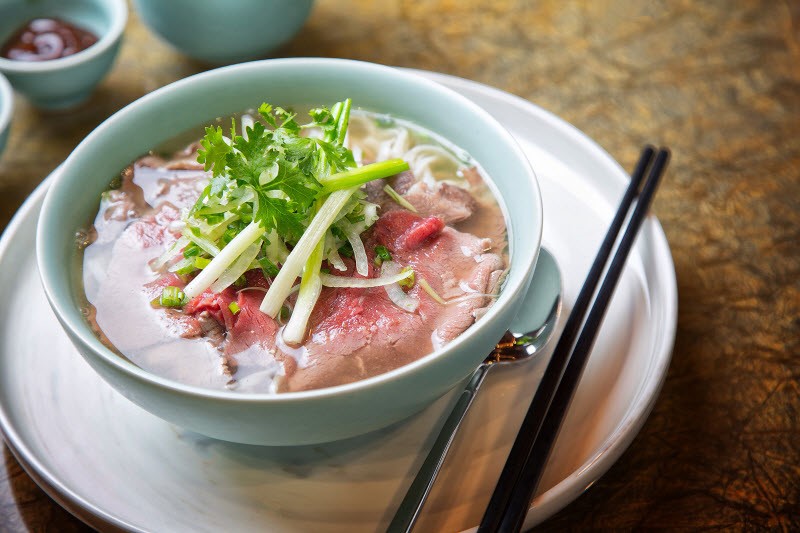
6	111
69	81
224	32
301	417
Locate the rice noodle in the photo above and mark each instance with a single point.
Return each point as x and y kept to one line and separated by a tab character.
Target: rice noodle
428	162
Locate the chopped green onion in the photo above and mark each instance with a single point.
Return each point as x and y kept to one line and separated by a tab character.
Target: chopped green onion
382	254
172	296
201	262
525	339
191	250
215	218
234	308
408	283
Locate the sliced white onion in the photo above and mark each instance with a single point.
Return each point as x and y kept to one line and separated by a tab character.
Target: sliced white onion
171	253
239	267
359	253
363	283
395	292
333	257
402	300
216	268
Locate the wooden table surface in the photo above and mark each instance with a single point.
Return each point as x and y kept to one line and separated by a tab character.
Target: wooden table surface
718	82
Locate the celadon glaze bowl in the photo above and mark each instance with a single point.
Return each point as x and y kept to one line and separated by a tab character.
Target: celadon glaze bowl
68	81
297	417
6	111
224	32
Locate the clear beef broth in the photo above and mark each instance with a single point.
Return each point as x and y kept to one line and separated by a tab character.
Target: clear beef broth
354	333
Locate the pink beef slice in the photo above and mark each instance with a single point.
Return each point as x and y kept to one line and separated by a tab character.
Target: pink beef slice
449	202
359	333
244	331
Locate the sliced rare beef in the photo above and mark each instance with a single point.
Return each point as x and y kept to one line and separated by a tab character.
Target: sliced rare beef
354	333
449	202
359	333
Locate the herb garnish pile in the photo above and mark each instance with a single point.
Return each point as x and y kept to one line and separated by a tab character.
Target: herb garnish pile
283	197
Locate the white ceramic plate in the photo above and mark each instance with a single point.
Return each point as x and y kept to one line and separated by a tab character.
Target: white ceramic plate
116	466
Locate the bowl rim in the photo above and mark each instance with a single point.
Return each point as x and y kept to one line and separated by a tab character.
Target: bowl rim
6	103
69	319
118	11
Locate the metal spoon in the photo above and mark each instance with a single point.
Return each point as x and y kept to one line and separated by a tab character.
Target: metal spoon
538	319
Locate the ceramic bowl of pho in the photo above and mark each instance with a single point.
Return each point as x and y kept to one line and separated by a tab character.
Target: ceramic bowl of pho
55	52
290	251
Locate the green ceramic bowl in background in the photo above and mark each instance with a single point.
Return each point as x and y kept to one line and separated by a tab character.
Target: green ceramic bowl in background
66	82
224	32
6	111
298	417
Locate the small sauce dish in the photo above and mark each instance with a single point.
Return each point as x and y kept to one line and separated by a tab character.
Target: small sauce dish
66	81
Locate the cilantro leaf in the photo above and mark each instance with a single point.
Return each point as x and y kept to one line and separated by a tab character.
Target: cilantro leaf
265	110
214	150
252	155
295	184
277	213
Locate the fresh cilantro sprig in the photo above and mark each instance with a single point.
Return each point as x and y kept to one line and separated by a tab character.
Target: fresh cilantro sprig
275	193
279	166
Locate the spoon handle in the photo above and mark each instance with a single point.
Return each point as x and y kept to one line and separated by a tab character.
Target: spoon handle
418	491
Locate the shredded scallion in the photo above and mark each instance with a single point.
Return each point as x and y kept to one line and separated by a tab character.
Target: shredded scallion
172	296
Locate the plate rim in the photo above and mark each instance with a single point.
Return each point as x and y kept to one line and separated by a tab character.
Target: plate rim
544	505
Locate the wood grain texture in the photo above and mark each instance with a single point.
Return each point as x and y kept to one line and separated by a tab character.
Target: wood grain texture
718	82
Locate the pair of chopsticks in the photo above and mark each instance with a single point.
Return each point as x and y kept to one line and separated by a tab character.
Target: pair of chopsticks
523	469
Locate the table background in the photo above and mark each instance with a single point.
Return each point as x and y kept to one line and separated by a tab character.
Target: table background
719	83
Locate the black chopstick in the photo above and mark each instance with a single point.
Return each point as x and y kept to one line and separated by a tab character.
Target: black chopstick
524	466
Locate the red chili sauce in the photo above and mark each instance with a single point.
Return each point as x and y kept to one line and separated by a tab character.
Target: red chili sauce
44	39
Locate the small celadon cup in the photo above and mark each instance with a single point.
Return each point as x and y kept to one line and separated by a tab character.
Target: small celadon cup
297	417
224	32
68	81
6	111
